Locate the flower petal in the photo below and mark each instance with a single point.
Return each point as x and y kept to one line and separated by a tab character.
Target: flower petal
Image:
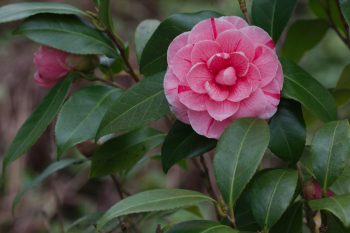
240	62
178	43
181	63
267	62
216	92
254	106
219	62
204	50
198	76
221	110
240	91
236	21
259	36
44	82
192	100
253	76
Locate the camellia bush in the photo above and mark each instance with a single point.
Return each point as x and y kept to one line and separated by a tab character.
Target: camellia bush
231	94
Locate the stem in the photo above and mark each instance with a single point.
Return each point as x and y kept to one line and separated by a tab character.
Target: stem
232	218
243	6
118	186
108	82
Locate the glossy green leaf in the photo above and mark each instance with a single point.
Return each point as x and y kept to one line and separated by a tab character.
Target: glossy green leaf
52	168
310	31
345	9
330	151
238	155
342	184
344	80
271	193
338	205
288	132
302	87
153	200
291	221
82	114
154	56
104	13
38	121
183	142
143	33
200	226
74	35
23	10
84	224
272	15
244	217
121	153
142	103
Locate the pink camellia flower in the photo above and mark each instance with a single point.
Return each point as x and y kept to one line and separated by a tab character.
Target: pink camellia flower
222	70
52	65
313	190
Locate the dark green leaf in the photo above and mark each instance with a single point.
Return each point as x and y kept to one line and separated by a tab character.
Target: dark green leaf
23	10
245	220
181	143
272	15
74	35
104	13
344	80
200	226
142	103
82	114
291	221
54	167
300	86
335	226
38	121
338	205
310	31
342	184
143	33
238	155
330	151
271	193
288	133
154	200
153	59
345	9
121	153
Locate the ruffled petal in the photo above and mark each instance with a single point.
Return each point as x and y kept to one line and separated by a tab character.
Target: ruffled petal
221	110
267	62
240	62
253	76
240	91
216	92
236	21
198	76
178	43
181	63
204	50
259	36
192	100
219	62
254	106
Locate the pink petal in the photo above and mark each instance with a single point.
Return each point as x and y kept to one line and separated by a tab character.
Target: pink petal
254	106
205	31
204	50
279	76
218	62
259	36
181	63
253	76
267	62
236	21
240	62
198	76
221	110
40	81
234	41
204	125
178	43
193	100
240	91
226	77
216	92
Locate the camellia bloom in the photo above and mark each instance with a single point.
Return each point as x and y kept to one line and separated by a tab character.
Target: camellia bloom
222	70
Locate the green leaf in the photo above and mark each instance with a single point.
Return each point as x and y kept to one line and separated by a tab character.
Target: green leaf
38	121
238	155
52	168
84	224
338	205
142	103
153	200
310	31
288	132
154	56
330	151
302	87
74	35
291	221
272	15
183	142
104	13
342	184
121	153
200	226
244	217
345	9
344	80
82	114
271	193
23	10
143	33
335	226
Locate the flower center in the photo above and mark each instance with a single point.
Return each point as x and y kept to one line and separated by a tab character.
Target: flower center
226	77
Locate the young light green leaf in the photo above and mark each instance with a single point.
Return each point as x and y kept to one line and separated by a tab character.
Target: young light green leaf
123	152
153	200
310	31
272	15
238	155
142	103
291	221
82	114
183	142
74	35
271	193
200	226
52	168
330	151
23	10
153	59
38	121
338	205
302	87
143	33
288	132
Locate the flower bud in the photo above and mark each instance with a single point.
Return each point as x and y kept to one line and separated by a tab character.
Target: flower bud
313	190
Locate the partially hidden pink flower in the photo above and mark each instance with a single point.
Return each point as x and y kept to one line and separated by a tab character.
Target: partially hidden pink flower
312	190
222	70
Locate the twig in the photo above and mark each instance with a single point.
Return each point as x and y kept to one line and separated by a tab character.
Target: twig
243	6
159	230
108	82
118	186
